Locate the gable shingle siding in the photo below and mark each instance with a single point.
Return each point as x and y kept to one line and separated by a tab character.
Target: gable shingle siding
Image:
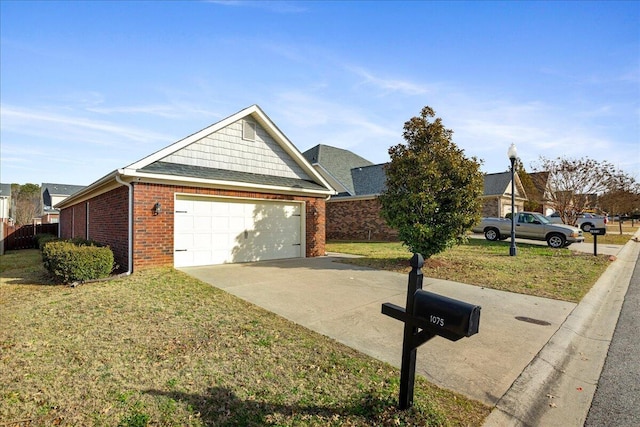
227	150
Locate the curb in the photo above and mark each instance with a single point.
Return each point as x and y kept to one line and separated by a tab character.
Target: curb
557	387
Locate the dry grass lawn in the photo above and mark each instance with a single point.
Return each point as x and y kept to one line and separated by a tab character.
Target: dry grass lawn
536	270
162	349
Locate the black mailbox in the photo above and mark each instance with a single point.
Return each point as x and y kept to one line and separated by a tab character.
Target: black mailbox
447	317
598	231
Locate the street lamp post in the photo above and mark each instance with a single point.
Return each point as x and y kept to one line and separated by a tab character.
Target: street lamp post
513	155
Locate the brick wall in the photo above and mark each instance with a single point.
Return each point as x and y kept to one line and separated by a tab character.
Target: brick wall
153	234
108	222
357	220
491	207
499	206
73	222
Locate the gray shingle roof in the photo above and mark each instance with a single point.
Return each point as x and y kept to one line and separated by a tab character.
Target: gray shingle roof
369	179
5	190
176	169
61	189
495	184
338	162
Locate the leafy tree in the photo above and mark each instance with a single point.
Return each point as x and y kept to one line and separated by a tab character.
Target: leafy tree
25	202
622	195
433	193
575	184
534	194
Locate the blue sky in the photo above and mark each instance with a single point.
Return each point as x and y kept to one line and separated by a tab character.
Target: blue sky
89	87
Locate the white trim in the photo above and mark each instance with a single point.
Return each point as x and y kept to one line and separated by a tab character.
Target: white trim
129	225
106	182
332	180
353	198
221	184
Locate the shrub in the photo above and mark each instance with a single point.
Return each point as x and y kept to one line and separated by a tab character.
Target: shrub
44	238
69	262
80	241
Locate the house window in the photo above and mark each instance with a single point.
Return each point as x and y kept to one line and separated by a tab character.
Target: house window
248	130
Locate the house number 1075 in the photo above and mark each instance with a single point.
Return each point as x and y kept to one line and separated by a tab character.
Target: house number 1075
436	320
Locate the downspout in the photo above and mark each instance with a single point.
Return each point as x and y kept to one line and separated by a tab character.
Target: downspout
130	221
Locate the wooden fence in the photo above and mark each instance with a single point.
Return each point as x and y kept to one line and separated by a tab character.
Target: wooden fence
23	237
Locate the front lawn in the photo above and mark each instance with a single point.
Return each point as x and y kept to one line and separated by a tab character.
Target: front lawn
536	270
163	349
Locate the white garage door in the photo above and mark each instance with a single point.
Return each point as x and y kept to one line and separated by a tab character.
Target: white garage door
216	231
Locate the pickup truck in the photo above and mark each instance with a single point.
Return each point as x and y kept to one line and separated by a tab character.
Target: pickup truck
530	225
585	221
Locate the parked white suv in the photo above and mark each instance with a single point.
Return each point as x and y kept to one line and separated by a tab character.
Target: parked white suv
586	221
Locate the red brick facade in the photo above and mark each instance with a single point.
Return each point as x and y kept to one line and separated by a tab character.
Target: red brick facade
357	220
153	234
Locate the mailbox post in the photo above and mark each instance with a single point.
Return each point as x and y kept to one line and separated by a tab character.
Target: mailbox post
595	232
427	315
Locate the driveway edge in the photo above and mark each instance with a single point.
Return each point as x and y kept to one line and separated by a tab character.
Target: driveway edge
557	387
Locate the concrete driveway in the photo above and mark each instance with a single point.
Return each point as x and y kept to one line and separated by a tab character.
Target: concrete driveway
344	302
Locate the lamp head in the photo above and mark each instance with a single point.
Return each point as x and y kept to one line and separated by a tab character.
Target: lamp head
512	153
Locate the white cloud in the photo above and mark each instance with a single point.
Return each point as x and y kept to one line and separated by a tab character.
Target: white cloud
167	111
387	85
45	123
271	6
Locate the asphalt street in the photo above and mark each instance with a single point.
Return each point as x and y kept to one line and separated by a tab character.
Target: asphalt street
617	398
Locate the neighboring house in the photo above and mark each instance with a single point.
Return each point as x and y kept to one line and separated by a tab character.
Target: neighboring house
236	191
354	213
5	203
497	195
540	181
52	194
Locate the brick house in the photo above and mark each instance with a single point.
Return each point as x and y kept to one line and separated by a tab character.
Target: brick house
5	203
497	195
51	195
354	213
235	191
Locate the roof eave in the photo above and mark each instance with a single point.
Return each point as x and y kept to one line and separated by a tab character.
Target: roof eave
354	198
102	185
155	178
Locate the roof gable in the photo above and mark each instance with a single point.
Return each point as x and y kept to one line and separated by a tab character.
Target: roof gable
220	157
498	184
338	163
495	184
222	146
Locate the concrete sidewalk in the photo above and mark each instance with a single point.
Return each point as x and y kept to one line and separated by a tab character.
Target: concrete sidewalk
557	387
344	302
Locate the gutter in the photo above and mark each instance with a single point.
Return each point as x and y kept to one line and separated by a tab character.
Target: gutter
130	221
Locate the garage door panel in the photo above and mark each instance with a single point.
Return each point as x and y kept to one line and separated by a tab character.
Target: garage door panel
183	241
202	223
216	231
